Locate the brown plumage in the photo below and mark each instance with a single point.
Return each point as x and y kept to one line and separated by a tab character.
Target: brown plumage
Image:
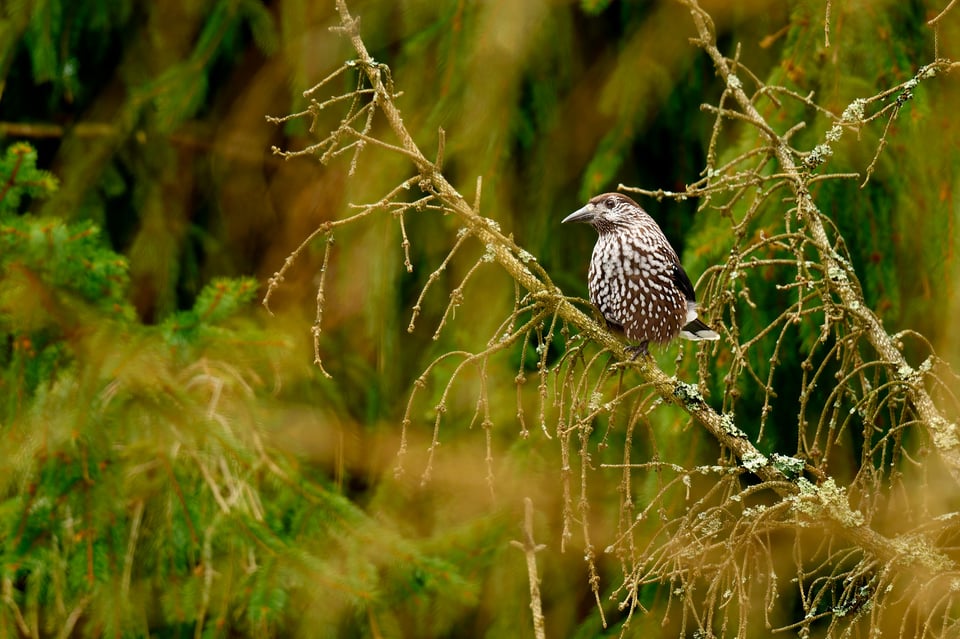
635	279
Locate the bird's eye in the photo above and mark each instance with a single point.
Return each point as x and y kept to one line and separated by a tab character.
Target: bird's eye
610	202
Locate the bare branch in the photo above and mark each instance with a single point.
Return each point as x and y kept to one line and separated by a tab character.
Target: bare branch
530	549
943	431
710	530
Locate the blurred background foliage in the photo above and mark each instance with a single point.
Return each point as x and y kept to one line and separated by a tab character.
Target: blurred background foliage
175	464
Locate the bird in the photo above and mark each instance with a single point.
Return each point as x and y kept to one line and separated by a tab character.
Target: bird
635	278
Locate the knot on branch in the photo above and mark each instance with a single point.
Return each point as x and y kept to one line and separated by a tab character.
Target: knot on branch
349	25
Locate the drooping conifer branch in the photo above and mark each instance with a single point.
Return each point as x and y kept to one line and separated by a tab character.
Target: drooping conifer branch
506	253
828	507
842	279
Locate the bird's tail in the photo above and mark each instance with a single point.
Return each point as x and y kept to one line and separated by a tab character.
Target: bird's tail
696	330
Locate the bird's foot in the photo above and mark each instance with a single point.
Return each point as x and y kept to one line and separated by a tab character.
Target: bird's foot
638	350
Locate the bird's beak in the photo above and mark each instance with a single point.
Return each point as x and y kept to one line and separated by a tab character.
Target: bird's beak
580	215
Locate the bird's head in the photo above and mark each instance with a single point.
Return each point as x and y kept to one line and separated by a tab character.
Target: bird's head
608	211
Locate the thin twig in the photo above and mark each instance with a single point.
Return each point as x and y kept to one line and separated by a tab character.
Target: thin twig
530	550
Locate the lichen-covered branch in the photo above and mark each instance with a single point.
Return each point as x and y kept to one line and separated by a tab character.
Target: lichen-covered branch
709	529
843	280
505	252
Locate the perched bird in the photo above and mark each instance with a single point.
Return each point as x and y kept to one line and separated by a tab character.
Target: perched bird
635	278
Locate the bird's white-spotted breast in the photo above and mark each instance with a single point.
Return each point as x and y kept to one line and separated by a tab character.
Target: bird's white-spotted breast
635	277
630	282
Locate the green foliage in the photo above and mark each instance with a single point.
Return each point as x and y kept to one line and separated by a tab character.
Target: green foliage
173	468
218	301
37	256
64	40
71	257
594	7
22	178
174	55
181	90
138	497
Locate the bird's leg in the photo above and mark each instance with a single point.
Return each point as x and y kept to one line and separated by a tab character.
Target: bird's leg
639	349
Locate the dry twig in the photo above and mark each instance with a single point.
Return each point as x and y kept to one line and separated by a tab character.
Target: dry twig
723	531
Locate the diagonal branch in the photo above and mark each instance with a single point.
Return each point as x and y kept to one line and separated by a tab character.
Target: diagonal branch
829	507
505	252
943	432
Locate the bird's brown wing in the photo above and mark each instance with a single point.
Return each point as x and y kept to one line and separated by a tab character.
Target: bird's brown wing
682	280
